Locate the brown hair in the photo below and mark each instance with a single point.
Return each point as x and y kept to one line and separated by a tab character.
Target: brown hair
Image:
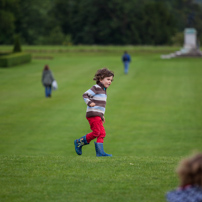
102	73
46	67
190	171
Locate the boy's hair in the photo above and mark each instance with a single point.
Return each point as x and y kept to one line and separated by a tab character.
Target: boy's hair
190	171
102	73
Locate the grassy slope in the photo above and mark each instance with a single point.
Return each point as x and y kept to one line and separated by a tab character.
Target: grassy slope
153	118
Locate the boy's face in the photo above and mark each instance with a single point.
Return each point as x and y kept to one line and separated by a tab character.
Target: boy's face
107	81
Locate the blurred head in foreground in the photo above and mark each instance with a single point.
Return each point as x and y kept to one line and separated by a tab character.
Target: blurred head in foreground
190	176
190	171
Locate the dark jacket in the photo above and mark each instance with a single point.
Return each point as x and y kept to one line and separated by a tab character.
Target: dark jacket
47	77
126	58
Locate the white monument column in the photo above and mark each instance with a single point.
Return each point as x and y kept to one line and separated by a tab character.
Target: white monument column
190	37
190	49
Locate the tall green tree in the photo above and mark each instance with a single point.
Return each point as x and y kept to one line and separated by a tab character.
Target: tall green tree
33	20
105	22
8	10
97	21
159	24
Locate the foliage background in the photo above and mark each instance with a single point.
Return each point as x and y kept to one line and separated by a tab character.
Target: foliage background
66	22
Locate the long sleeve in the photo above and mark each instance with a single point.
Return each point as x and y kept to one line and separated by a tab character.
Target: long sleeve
88	95
96	94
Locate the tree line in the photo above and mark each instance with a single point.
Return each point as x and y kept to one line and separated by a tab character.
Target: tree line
116	22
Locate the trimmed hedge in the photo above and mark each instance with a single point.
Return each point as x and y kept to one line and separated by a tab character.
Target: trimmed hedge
14	59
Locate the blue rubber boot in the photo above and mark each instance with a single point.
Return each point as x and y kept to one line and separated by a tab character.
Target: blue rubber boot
79	143
100	150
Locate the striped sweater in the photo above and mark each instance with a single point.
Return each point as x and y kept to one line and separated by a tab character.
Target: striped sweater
98	95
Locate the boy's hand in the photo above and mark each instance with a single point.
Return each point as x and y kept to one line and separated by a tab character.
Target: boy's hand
103	121
92	104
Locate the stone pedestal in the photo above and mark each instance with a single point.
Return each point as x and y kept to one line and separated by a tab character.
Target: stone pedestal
190	39
191	46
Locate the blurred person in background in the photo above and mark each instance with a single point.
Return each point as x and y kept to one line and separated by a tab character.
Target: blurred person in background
126	59
47	79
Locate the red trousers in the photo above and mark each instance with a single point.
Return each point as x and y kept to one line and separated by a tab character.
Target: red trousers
97	128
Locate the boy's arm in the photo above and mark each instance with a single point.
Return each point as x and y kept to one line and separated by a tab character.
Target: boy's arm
87	97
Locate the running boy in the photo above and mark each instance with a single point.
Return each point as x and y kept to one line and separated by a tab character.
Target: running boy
95	98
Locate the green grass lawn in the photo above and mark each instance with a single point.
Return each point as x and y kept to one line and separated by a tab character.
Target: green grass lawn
153	119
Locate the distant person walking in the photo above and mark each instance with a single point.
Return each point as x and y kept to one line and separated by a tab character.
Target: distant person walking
47	79
126	61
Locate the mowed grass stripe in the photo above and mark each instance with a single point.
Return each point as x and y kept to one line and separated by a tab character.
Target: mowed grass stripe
153	119
61	178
